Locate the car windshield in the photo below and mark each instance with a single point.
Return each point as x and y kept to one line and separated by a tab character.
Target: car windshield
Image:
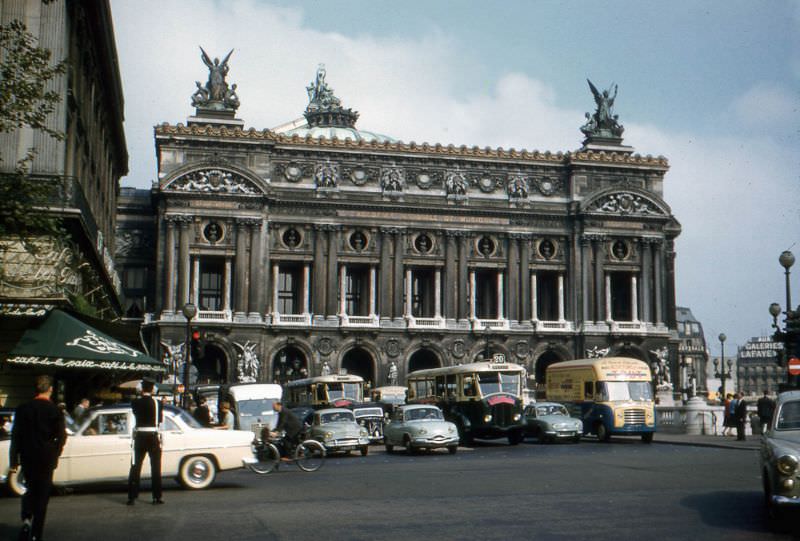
789	416
611	391
499	382
336	417
340	391
257	407
187	419
420	414
368	412
551	410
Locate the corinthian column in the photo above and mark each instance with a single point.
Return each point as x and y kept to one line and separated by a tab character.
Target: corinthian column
184	270
240	294
169	270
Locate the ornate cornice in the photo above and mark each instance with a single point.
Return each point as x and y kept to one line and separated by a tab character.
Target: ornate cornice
223	132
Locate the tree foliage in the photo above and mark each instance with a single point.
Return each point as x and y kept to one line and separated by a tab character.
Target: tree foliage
26	70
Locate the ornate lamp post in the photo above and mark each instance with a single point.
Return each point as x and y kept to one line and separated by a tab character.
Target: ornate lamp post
189	311
719	366
687	364
786	259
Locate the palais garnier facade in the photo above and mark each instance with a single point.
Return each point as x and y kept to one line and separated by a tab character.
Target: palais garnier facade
317	246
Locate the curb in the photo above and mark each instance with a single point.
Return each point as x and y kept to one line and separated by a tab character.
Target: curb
715	445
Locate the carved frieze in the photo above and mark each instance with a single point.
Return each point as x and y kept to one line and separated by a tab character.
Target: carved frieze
359	174
456	183
548	185
292	171
326	175
517	187
625	204
131	242
213	181
392	179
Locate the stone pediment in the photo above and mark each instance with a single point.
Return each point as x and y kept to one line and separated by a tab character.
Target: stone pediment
213	180
626	202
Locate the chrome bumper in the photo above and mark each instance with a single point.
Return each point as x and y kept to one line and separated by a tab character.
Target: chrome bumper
784	501
246	461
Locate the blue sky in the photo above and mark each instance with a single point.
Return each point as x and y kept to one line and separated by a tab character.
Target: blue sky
713	86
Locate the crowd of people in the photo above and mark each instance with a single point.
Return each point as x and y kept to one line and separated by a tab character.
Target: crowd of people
736	417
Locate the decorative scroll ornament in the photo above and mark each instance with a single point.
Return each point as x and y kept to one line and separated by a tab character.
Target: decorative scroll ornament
247	363
517	187
547	185
392	180
326	175
215	94
626	204
597	352
456	183
99	344
213	181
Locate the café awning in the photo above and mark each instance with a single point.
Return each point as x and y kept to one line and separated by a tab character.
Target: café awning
62	341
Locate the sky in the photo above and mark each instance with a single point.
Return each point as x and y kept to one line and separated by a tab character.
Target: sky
711	85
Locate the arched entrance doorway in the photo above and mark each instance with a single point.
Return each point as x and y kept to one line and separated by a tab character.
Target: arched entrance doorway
632	352
360	363
422	359
289	364
212	366
545	359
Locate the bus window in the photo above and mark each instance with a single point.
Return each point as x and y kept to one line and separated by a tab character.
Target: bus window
587	390
450	385
320	388
469	387
499	382
601	391
441	387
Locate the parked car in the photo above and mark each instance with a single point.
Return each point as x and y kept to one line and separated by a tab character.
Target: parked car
780	456
549	421
100	450
338	431
372	419
420	426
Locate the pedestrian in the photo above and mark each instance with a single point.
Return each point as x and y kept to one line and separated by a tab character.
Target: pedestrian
728	421
37	440
80	410
226	419
765	408
202	414
741	416
149	414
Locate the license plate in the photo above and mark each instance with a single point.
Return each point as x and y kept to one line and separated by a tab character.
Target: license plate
348	448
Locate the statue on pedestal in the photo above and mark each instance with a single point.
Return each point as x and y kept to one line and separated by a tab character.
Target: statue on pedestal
603	123
215	94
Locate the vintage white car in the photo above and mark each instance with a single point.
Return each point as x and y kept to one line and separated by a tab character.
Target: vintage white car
419	427
99	450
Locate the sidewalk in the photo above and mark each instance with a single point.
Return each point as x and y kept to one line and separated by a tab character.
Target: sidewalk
752	443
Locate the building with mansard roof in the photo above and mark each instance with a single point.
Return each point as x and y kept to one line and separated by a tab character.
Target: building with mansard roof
318	244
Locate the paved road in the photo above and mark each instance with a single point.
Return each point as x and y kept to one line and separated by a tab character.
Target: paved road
623	490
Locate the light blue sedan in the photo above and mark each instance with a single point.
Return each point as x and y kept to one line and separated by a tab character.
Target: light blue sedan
549	421
420	427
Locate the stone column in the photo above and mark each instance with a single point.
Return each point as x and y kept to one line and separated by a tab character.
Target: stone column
306	288
561	314
534	297
471	295
275	271
634	299
464	308
343	291
332	288
183	257
524	278
226	285
500	296
450	275
437	302
659	285
319	271
240	295
512	268
409	293
586	284
372	290
607	296
169	270
647	262
256	305
385	274
599	281
397	275
195	296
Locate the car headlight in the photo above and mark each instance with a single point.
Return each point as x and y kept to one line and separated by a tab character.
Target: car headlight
787	464
363	432
422	431
517	417
487	418
328	435
451	429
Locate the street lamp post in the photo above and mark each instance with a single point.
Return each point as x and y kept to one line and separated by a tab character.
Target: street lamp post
189	311
789	334
786	259
719	367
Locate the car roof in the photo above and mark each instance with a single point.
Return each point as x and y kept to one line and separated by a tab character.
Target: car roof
417	406
787	396
545	404
334	410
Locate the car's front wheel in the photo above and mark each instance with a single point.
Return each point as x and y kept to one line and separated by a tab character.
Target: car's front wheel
16	483
364	450
197	472
452	449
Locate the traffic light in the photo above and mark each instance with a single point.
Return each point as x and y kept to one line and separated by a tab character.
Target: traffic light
197	345
791	335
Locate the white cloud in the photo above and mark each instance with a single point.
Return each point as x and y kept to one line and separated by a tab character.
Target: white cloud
736	197
768	105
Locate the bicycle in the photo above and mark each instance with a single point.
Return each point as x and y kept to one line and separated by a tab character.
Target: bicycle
309	456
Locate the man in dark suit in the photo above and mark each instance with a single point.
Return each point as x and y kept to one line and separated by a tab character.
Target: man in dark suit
292	427
146	441
36	443
741	417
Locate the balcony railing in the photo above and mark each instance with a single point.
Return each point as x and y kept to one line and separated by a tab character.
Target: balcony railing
291	319
483	324
214	315
552	326
359	321
425	322
628	326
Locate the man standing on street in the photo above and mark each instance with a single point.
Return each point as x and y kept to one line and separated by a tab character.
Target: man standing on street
766	407
36	443
741	417
146	441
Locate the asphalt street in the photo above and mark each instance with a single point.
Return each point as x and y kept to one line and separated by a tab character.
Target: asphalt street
622	490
